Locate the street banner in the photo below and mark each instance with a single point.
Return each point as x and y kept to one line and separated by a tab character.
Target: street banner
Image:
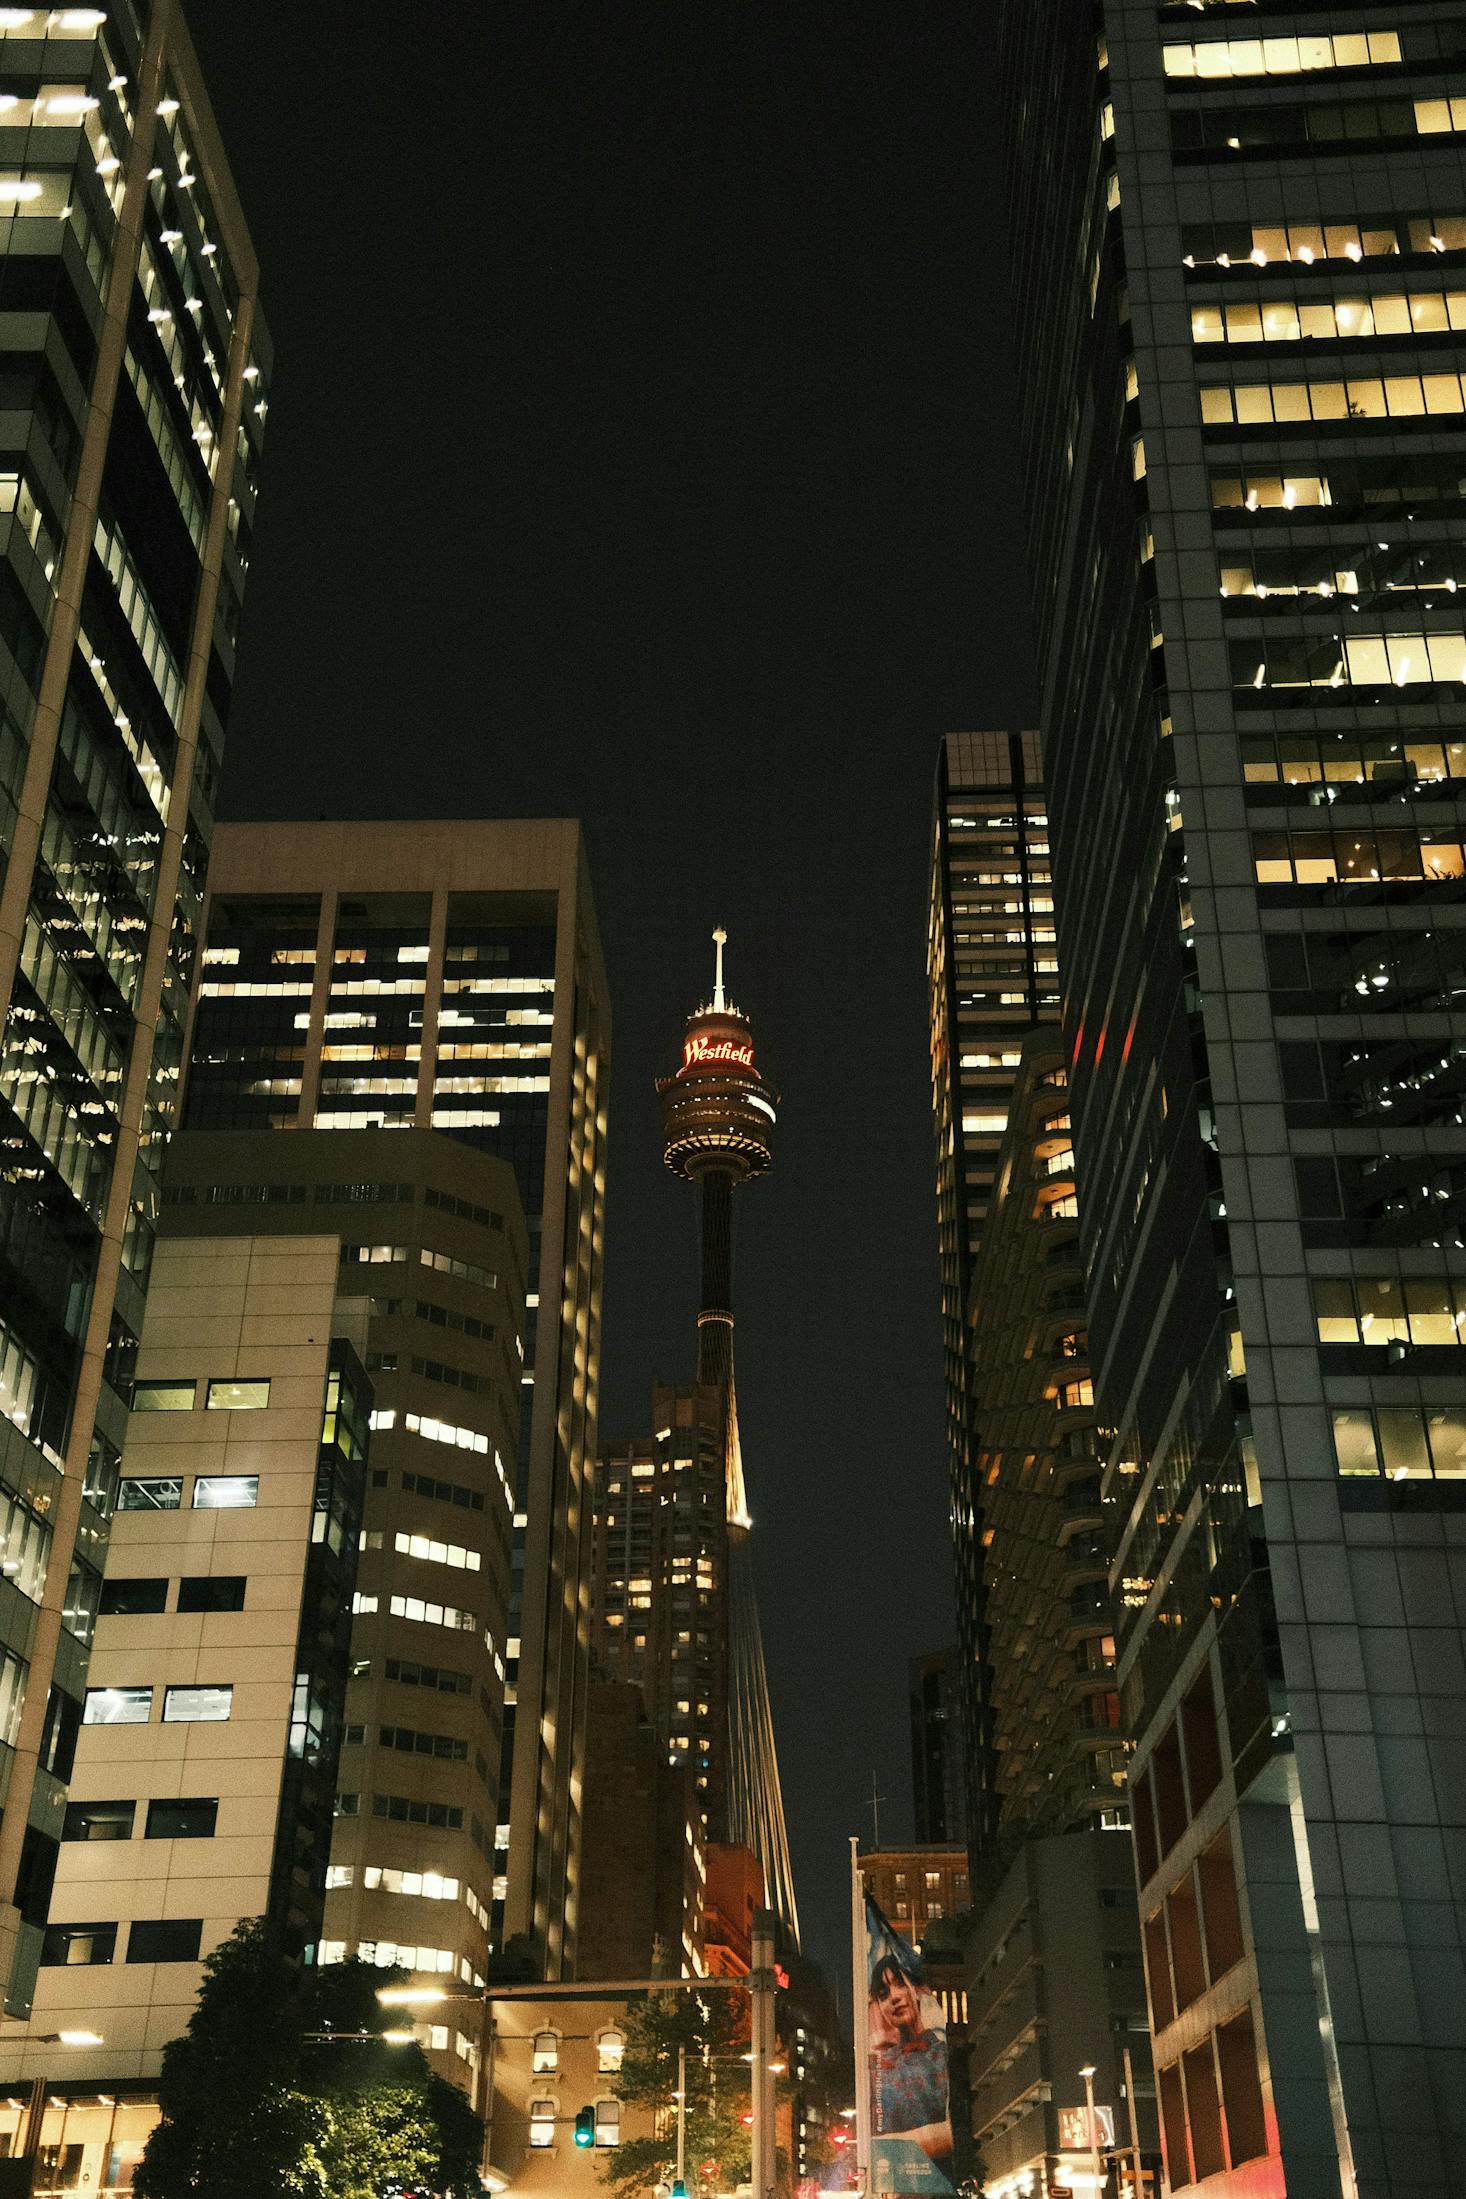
910	2108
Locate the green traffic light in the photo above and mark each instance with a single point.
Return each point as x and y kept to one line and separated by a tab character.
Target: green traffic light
585	2127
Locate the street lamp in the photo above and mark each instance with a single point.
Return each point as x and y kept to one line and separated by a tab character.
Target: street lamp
1087	2073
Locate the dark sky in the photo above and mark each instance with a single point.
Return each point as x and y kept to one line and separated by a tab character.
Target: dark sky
638	450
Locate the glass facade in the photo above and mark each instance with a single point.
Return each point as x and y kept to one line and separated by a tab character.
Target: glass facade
128	477
1237	244
992	975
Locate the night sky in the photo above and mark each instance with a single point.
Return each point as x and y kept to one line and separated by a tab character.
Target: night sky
639	451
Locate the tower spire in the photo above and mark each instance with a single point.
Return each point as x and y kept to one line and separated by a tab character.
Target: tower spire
720	941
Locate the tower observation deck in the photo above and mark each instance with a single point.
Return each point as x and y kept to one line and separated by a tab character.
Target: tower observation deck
718	1116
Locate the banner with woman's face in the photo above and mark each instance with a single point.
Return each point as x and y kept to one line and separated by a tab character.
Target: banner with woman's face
910	2107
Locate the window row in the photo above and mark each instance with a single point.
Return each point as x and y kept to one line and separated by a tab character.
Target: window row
171	1818
149	1939
1332	970
1293	759
141	1598
1402	1442
1210	130
1352	858
1260	244
1230	57
1353	487
133	1706
1386	1309
1349	660
444	1492
1324	320
1388	397
209	1492
544	2117
545	2051
182	1396
1374	571
413	1607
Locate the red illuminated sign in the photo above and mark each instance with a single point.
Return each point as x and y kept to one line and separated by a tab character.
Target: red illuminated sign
702	1048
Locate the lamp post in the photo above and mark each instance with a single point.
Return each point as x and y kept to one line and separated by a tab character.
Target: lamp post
1098	2185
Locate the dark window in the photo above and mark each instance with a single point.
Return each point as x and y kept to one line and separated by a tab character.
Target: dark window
211	1592
165	1939
129	1599
65	1944
98	1821
182	1820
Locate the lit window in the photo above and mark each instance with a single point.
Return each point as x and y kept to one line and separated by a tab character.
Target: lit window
163	1397
608	2122
237	1397
610	2050
117	1706
546	2050
226	1492
542	2122
196	1705
156	1493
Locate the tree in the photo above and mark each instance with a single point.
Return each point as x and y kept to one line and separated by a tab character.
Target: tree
714	2031
279	2090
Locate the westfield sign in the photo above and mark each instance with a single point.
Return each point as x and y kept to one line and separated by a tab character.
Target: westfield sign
701	1048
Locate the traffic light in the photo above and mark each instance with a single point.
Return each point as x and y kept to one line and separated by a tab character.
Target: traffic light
679	2190
585	2127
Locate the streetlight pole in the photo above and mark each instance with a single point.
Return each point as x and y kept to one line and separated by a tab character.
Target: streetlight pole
1134	2128
681	2118
1098	2184
762	1998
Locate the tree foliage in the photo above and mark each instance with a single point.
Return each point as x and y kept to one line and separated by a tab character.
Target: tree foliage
714	2031
280	2088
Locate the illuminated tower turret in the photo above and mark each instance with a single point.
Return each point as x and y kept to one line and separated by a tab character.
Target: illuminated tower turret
717	1116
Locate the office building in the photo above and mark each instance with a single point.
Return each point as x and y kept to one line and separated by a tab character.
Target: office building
433	1257
1055	1919
674	1605
1055	1985
205	1761
135	392
661	1553
992	975
448	977
938	1779
917	1885
645	1864
1236	249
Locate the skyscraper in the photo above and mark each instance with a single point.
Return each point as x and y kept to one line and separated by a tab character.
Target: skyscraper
992	975
675	1604
449	976
134	395
1238	347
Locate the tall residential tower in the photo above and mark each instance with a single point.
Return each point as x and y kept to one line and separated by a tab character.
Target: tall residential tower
1239	242
135	378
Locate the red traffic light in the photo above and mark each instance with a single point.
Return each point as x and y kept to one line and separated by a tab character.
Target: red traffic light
839	2137
746	2118
709	2168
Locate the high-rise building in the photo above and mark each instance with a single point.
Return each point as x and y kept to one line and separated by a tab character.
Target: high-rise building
1235	248
938	1780
433	1256
1056	1916
641	1905
205	1765
134	396
992	975
449	977
675	1607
